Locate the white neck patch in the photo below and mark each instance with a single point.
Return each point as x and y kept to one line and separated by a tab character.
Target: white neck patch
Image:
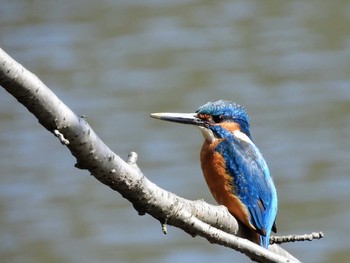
208	134
240	135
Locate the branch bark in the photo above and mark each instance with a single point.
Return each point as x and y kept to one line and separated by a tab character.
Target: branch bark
195	217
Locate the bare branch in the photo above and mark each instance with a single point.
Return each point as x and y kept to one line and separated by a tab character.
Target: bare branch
195	217
294	238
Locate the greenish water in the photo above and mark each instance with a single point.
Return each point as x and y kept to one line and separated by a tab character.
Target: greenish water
118	61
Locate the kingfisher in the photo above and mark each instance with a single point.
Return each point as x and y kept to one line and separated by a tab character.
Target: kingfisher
233	167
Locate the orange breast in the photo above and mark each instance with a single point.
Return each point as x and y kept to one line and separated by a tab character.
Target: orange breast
220	182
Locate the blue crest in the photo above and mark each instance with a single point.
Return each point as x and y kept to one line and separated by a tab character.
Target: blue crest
229	110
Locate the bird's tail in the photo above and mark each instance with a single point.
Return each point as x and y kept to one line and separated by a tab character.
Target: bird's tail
265	241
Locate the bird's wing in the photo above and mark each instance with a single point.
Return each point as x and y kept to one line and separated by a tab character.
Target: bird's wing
251	181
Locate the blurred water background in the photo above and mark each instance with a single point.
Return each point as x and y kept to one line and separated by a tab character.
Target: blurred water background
117	61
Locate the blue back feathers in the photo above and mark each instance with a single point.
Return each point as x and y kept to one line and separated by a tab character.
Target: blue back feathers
251	180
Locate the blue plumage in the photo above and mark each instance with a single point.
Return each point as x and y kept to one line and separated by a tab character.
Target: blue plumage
229	110
233	167
252	182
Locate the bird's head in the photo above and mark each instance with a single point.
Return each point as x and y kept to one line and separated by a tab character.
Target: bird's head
215	119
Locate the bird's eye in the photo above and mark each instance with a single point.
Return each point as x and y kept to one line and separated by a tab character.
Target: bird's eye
217	118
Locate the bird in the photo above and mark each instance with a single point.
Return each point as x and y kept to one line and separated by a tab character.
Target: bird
234	169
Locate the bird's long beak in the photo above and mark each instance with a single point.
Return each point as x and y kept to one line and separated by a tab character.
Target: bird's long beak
185	118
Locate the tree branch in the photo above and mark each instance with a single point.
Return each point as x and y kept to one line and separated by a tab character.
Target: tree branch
195	217
294	238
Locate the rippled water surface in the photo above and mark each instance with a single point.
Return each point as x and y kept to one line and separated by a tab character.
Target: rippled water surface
116	61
